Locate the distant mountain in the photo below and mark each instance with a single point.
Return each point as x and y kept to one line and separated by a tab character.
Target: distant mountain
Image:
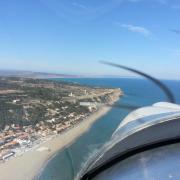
44	75
30	74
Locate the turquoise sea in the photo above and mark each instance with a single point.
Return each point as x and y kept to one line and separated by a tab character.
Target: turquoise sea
138	92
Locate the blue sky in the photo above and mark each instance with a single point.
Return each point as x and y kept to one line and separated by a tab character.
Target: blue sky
71	36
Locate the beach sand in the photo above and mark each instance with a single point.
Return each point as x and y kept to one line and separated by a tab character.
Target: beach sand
27	166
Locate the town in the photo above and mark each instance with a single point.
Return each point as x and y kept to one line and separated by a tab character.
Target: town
35	110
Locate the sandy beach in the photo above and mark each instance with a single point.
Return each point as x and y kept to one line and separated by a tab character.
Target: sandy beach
27	166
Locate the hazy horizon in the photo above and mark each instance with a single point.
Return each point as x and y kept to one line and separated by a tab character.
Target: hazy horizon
70	37
66	75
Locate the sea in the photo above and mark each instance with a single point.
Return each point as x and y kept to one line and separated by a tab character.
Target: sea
67	163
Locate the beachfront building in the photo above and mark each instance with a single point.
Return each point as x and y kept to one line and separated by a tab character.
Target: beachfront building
23	142
15	101
6	155
90	105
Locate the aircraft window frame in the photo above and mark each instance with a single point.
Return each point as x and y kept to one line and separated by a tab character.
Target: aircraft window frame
129	153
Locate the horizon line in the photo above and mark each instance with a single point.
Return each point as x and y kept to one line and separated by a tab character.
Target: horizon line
69	75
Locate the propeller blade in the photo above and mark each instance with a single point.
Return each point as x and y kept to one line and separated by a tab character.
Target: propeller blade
163	87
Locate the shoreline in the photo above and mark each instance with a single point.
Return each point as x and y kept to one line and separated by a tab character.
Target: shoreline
23	168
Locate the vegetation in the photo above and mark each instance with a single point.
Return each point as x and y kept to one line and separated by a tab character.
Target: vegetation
29	101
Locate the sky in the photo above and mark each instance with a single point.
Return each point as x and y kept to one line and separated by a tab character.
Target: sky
72	36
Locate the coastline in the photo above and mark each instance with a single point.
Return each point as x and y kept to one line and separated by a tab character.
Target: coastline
31	163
